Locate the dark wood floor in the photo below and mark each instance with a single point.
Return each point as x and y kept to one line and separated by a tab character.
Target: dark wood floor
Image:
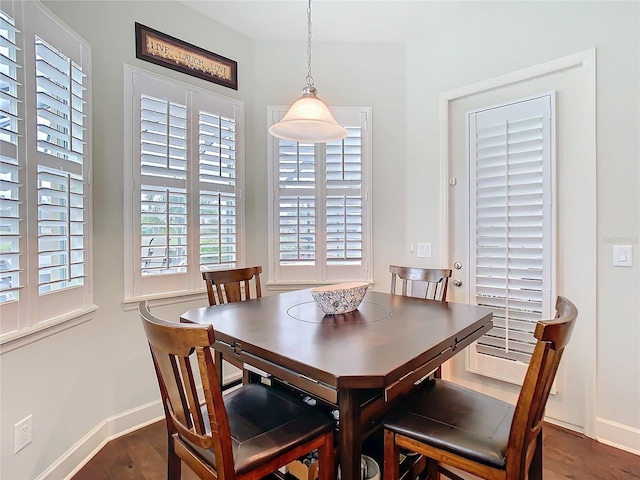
141	455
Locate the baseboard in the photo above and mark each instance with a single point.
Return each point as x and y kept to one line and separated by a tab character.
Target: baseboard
618	435
564	425
608	432
113	427
84	450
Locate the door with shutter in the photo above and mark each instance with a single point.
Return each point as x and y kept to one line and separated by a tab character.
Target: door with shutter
497	238
511	239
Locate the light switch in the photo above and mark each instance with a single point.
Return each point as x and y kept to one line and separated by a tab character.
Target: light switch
424	250
622	255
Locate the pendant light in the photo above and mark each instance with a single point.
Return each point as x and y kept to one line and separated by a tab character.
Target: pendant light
309	119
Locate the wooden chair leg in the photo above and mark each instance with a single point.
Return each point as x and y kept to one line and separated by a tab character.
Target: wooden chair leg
326	461
174	464
535	469
391	462
433	472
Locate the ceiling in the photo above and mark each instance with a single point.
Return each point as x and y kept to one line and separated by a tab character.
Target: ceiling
337	20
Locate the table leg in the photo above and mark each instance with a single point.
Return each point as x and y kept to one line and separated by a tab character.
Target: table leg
350	445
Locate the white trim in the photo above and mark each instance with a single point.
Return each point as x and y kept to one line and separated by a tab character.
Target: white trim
72	461
618	435
292	286
25	336
161	299
113	427
586	60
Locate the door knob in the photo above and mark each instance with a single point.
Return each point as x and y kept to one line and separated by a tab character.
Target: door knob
457	282
457	265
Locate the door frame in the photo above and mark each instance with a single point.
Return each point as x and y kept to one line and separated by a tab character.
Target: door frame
585	60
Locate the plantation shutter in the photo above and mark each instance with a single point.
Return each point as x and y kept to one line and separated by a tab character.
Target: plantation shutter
297	203
344	200
61	172
321	206
11	124
45	163
217	177
185	185
163	174
511	223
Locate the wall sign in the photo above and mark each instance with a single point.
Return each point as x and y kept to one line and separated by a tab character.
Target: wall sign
156	47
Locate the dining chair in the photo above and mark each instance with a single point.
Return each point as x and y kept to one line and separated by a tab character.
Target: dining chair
455	426
433	281
245	434
232	285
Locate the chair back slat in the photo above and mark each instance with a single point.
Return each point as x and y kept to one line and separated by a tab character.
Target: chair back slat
201	418
428	283
190	387
553	336
233	285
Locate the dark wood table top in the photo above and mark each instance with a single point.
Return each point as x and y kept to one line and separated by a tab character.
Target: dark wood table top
362	362
373	347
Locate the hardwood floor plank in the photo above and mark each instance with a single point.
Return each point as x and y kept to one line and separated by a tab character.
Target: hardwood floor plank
102	465
142	455
567	453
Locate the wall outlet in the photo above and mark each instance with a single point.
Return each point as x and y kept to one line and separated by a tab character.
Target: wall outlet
424	250
22	434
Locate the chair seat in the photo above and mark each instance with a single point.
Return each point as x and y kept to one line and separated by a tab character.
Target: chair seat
264	423
453	418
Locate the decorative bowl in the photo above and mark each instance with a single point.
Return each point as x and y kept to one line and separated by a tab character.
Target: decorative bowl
340	298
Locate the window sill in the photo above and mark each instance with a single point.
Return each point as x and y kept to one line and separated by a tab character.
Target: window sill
170	298
301	285
20	338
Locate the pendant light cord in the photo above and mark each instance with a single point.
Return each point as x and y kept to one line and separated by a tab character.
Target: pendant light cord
309	77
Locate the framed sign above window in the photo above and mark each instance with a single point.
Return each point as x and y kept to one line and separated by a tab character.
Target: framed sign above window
161	49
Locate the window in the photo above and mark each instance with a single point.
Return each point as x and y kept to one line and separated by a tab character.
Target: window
319	204
185	163
511	226
45	207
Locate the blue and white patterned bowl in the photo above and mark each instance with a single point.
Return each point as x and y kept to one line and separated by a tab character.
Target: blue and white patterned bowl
340	298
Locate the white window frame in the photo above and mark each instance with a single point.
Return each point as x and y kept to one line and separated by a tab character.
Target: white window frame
477	360
284	277
188	281
35	314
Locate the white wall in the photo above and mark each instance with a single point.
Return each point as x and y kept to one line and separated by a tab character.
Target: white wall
512	37
345	75
76	380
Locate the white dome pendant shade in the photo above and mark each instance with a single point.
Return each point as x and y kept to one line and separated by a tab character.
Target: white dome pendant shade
309	119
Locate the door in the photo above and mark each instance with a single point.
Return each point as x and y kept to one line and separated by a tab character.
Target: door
573	260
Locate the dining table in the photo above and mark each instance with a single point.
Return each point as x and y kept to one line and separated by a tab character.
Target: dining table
360	363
